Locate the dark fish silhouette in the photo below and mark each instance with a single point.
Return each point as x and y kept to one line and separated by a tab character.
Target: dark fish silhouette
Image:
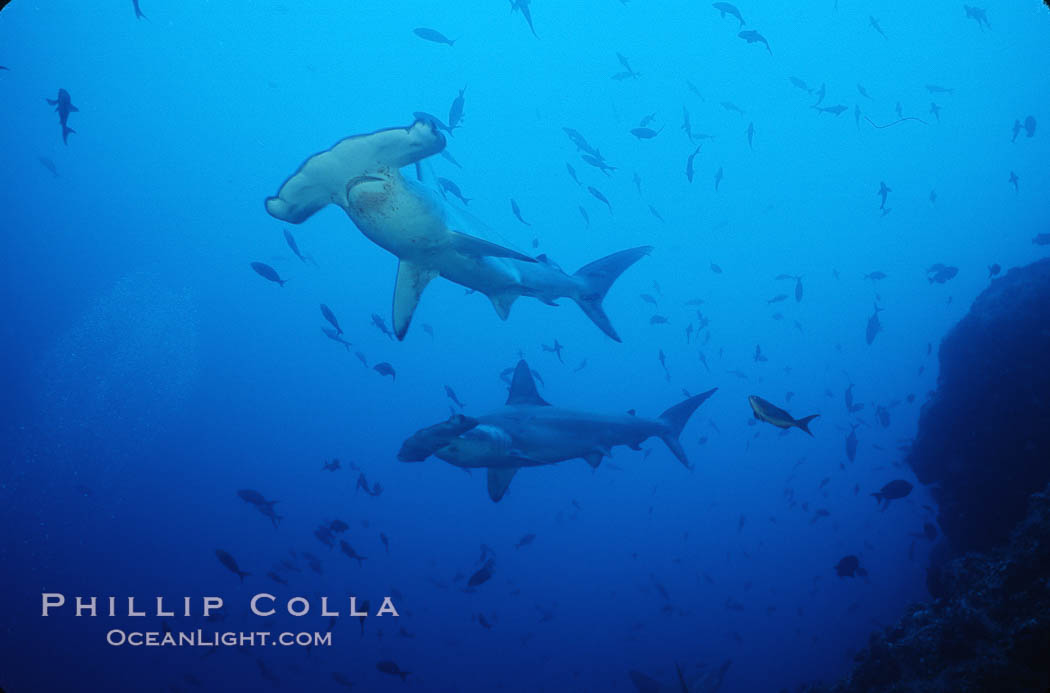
556	349
349	551
598	195
689	165
884	190
572	173
1013	181
381	325
523	5
290	240
851	444
385	368
455	111
334	336
49	165
718	178
941	273
330	317
138	10
645	133
388	667
993	270
452	396
626	66
450	187
725	8
874	326
977	14
267	272
849	566
482	575
896	489
800	84
230	564
837	109
752	36
820	94
432	35
517	212
875	25
862	91
730	106
771	414
64	106
750	134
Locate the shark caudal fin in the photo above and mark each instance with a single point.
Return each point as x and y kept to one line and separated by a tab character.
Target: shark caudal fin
411	280
676	418
598	277
803	423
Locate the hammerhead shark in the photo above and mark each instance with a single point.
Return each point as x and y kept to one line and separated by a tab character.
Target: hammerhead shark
529	432
361	174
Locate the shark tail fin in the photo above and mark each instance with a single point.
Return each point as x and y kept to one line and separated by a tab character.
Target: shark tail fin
65	132
676	418
596	279
803	423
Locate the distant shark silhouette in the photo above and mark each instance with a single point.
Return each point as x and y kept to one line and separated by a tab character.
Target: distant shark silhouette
361	175
529	432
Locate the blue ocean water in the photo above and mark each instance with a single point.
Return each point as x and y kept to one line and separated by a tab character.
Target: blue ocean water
151	374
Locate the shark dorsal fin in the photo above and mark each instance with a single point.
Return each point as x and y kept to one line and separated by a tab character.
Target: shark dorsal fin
523	387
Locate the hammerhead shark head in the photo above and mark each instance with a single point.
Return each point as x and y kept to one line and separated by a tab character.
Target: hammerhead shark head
361	174
529	432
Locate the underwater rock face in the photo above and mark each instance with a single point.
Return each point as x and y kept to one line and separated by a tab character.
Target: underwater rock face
990	632
984	436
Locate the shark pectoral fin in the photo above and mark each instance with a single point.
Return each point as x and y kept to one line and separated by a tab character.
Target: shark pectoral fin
593	458
478	247
499	480
411	280
522	459
502	303
549	302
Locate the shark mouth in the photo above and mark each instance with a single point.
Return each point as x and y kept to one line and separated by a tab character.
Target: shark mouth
358	180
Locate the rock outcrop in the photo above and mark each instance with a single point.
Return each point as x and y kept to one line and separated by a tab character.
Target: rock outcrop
991	632
984	436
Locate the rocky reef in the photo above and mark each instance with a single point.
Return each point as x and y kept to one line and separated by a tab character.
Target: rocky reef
983	442
990	633
984	436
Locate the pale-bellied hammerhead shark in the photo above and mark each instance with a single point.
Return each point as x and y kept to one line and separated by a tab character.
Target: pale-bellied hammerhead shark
529	432
361	175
